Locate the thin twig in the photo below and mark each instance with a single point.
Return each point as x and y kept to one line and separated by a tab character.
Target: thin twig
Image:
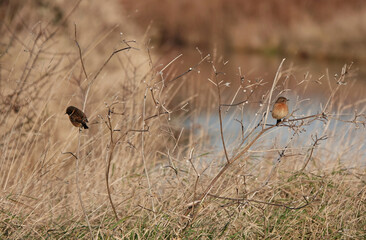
226	166
190	69
143	153
275	80
112	146
243	200
78	186
220	119
316	142
80	55
110	57
281	155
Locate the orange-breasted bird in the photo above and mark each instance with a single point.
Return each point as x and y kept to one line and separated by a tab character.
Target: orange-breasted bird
77	117
280	109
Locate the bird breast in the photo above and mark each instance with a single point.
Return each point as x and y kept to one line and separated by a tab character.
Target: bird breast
280	110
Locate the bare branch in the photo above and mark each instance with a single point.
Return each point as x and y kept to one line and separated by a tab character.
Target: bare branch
80	55
316	142
243	200
112	146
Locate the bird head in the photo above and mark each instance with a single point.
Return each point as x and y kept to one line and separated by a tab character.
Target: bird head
282	100
70	110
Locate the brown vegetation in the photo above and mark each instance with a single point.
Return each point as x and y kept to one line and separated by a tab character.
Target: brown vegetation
310	28
148	167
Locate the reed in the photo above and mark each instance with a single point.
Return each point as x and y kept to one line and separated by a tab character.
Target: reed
152	165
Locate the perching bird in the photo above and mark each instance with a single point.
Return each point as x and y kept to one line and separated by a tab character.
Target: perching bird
77	117
280	109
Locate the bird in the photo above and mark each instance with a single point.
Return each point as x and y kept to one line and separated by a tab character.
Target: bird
77	117
280	109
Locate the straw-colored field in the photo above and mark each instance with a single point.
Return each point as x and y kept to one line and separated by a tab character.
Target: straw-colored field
152	165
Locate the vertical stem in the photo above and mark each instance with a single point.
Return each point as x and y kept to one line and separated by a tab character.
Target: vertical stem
275	80
221	128
78	187
143	152
220	117
109	166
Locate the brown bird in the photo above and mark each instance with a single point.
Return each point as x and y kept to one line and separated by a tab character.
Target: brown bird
77	117
280	109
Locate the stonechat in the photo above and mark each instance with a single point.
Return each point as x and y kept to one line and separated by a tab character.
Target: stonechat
280	109
77	117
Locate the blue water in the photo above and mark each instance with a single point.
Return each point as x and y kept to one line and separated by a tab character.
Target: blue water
344	142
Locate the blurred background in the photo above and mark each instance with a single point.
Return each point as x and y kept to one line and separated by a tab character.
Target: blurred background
329	32
316	37
327	29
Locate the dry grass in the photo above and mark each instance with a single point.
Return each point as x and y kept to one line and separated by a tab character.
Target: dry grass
283	186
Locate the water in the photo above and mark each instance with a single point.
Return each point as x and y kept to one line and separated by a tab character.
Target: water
308	83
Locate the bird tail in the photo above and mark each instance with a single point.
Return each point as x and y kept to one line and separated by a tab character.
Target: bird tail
84	125
278	121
